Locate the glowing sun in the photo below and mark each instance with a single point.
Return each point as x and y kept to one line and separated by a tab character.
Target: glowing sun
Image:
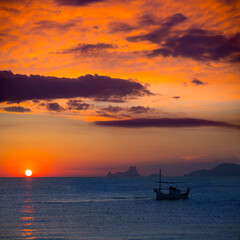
28	173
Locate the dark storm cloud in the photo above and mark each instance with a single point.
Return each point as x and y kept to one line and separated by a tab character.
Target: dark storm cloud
201	45
198	82
162	32
165	123
55	107
77	105
17	87
77	2
16	109
88	49
116	27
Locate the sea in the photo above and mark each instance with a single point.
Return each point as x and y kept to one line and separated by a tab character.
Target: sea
118	208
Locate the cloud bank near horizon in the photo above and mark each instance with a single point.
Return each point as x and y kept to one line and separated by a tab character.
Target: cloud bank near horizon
165	123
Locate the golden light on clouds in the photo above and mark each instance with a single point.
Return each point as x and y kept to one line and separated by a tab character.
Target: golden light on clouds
94	61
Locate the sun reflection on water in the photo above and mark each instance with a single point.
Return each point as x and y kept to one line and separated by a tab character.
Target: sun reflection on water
28	213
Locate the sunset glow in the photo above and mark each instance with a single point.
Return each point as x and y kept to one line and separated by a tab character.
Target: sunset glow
93	86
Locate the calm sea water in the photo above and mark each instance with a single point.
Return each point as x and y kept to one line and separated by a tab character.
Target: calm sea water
104	208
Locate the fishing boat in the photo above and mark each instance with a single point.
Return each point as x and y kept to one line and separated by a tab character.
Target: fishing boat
173	192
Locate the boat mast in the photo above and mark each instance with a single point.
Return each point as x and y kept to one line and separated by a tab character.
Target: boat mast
160	179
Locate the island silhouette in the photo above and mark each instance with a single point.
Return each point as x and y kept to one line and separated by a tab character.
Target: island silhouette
221	170
131	172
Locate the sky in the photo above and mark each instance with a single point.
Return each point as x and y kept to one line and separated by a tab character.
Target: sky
91	86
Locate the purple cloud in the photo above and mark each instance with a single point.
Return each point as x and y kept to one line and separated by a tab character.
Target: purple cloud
165	123
132	110
139	109
123	113
201	45
17	87
111	99
116	27
162	32
55	107
143	21
77	2
88	49
9	9
147	20
113	109
107	115
47	24
198	82
77	105
16	109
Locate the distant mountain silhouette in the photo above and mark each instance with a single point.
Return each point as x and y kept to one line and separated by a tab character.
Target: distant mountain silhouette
224	169
131	172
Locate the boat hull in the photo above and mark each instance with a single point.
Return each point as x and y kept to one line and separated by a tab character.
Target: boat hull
172	195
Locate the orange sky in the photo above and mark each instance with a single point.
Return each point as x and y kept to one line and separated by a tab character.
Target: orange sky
160	60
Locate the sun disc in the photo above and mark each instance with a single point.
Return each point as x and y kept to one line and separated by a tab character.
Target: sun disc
28	173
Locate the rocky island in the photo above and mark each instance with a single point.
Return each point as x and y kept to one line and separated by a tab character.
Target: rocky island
131	172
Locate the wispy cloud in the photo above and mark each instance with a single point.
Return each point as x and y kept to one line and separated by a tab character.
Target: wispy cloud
116	27
89	50
78	2
47	24
112	109
10	10
16	109
162	32
139	109
124	112
147	20
77	105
